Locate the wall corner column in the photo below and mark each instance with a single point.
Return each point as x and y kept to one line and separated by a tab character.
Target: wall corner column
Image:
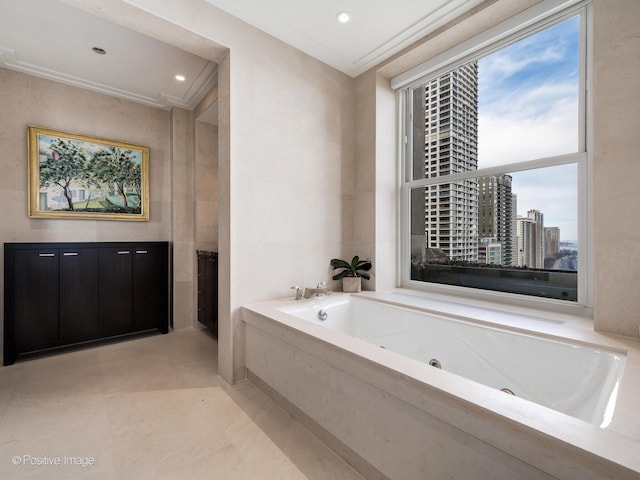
182	217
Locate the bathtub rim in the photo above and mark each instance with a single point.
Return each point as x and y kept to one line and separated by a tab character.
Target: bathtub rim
614	356
603	445
546	327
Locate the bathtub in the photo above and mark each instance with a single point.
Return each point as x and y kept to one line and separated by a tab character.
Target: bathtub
406	386
576	379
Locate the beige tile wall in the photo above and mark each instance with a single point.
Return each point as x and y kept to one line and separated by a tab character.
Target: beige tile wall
616	168
28	100
183	213
206	187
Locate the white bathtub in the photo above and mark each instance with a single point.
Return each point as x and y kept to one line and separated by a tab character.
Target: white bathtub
392	415
576	379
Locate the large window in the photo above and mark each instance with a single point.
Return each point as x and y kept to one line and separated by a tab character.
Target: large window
495	188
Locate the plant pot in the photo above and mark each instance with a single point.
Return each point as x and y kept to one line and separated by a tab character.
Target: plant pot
351	284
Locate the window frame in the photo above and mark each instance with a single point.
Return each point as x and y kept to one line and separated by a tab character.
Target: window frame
532	20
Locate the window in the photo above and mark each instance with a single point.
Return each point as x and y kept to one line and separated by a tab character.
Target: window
507	163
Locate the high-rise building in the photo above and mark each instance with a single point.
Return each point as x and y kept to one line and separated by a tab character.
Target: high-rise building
538	217
445	141
551	241
530	237
526	242
514	228
495	211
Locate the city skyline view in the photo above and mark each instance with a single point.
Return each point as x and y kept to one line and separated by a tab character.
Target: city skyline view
504	121
527	109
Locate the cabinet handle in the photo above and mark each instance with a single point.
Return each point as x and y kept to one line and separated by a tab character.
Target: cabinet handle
141	251
124	252
70	254
47	255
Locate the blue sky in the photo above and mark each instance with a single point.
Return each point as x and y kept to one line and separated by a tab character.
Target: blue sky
528	109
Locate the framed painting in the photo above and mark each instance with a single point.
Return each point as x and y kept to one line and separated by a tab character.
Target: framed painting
78	176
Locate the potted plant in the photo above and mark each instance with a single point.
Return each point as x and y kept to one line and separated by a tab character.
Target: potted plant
351	273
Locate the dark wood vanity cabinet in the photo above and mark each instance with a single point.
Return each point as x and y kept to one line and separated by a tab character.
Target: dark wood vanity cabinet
58	294
208	290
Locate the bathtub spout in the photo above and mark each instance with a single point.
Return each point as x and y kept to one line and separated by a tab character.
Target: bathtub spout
316	292
320	291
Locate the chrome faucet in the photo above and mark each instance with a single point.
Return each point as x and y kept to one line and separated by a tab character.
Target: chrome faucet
298	292
320	290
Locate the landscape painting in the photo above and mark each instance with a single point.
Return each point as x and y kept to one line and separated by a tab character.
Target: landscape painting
77	176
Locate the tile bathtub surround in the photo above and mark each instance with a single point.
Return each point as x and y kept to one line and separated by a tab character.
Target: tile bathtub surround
425	420
153	407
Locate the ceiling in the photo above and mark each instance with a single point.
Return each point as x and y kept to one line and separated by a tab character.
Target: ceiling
377	29
50	39
141	69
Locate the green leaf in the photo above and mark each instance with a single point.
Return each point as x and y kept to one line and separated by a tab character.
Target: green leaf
342	274
364	265
352	269
337	263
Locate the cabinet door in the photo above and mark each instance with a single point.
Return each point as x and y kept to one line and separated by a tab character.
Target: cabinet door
115	290
212	293
150	288
202	289
78	294
36	299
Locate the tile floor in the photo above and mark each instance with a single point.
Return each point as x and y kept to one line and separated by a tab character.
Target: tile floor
149	408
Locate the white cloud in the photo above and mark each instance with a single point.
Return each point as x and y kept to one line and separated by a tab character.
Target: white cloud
535	127
529	124
552	191
503	64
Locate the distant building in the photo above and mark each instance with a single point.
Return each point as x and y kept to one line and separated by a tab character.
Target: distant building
495	211
538	217
551	241
526	242
514	228
490	251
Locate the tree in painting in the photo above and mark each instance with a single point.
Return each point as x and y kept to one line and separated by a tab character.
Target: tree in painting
66	162
115	166
135	180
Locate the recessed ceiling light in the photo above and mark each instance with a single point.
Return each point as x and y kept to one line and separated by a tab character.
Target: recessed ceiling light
180	78
99	51
343	17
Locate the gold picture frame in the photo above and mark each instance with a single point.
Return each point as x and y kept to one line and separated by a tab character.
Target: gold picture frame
85	177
